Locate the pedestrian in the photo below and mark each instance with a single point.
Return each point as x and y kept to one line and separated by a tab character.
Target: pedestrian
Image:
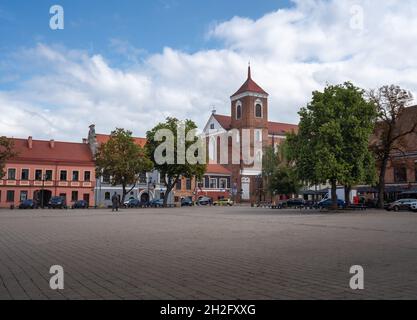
115	202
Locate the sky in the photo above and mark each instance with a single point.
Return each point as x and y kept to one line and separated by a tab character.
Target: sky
131	63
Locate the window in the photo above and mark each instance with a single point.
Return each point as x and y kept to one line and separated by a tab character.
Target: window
23	195
213	183
48	175
206	182
178	185
400	174
142	177
75	175
415	172
74	196
238	110
107	196
106	178
258	135
259	157
211	126
212	149
25	175
10	196
188	184
11	174
63	175
87	175
258	110
223	183
38	175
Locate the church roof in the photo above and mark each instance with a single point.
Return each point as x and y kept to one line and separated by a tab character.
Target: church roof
273	127
250	86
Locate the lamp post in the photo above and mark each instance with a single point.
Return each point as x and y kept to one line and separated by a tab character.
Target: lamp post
43	177
149	193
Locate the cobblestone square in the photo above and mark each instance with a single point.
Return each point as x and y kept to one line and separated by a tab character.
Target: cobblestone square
207	253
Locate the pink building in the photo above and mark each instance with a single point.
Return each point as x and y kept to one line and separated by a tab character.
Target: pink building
50	168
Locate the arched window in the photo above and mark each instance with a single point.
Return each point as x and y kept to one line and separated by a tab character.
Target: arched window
238	110
258	110
212	148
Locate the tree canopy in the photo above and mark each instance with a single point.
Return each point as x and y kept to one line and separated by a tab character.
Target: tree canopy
332	142
6	152
121	159
392	128
181	148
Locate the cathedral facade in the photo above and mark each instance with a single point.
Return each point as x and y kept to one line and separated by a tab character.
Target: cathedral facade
248	132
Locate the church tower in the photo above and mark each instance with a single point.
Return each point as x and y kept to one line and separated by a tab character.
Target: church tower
249	110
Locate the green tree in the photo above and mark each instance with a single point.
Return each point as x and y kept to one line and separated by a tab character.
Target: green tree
170	136
122	160
332	142
391	128
6	152
278	174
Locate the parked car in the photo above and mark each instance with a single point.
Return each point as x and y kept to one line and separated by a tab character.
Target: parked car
126	202
204	201
28	204
291	203
131	203
223	202
327	203
57	202
401	204
413	206
187	202
156	203
80	204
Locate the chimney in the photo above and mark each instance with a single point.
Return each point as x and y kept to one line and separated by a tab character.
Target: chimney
30	142
52	143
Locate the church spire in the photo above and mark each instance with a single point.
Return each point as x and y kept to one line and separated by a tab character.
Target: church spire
249	72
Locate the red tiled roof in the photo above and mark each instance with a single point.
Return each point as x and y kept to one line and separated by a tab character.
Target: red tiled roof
273	127
213	168
61	151
250	86
103	138
225	121
279	128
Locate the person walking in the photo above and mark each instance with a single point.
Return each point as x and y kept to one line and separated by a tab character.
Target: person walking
115	202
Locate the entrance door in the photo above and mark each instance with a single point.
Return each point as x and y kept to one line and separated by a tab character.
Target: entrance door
86	197
245	188
144	197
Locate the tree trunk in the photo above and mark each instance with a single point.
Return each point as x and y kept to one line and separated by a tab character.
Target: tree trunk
123	194
167	192
334	194
381	183
347	194
170	186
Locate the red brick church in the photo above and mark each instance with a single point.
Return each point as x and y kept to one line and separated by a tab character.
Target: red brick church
248	112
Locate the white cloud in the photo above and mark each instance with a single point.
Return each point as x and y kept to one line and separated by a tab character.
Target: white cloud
293	52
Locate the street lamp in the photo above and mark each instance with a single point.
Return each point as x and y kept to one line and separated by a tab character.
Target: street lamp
149	193
43	177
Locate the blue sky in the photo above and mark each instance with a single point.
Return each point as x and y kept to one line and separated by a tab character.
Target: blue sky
132	63
150	25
